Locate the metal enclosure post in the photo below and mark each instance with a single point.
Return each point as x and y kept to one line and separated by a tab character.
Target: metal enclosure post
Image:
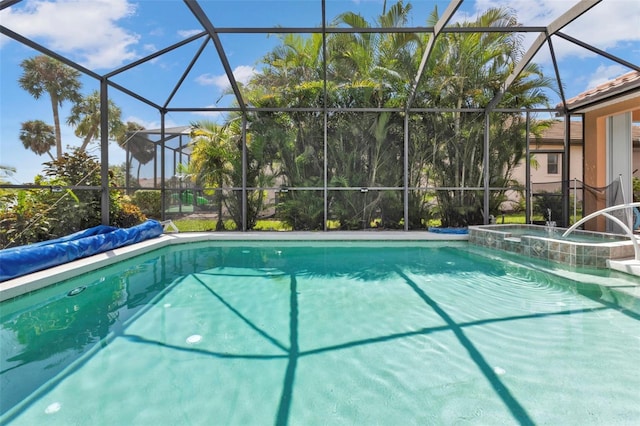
406	171
162	163
565	170
244	171
325	119
527	178
104	152
486	168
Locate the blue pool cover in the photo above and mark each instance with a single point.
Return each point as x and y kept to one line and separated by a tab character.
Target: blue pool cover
448	230
23	260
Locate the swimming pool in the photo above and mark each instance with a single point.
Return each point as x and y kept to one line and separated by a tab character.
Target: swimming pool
307	333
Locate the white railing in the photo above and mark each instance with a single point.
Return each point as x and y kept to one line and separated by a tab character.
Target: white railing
605	212
169	226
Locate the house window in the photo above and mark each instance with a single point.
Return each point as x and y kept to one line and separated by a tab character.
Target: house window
552	164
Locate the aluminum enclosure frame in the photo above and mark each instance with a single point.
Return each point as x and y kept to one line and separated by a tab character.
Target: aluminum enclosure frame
210	34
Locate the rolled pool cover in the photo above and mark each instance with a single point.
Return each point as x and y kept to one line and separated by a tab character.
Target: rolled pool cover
22	260
448	230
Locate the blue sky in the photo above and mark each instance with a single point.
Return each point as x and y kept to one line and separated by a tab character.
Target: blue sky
106	35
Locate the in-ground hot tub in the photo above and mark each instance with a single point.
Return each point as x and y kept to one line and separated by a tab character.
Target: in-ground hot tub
580	248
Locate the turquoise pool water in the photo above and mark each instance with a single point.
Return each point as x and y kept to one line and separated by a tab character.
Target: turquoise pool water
556	233
322	333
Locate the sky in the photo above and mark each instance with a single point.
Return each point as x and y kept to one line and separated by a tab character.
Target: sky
105	35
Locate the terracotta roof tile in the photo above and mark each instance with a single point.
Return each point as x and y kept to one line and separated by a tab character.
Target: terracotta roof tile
605	88
555	133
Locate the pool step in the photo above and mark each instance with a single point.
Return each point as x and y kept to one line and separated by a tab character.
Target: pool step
513	239
629	266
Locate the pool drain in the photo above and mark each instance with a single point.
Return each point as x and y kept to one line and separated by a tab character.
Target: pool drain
76	291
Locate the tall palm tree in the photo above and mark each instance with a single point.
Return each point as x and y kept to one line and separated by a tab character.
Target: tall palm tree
85	116
292	142
371	70
384	60
374	70
466	70
42	74
141	148
38	136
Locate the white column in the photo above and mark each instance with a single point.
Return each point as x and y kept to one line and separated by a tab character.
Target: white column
619	159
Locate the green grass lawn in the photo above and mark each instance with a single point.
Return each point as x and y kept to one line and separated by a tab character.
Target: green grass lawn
206	225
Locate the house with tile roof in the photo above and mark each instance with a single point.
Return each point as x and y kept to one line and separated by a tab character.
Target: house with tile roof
548	149
603	144
609	112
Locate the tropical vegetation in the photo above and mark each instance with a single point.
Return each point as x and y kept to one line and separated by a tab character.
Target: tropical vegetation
340	114
52	209
364	151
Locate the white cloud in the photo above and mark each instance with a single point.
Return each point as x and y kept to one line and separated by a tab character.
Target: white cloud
89	35
242	74
603	74
609	24
542	12
220	81
210	115
151	125
157	32
189	33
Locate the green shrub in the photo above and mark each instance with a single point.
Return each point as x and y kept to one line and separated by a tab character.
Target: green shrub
40	214
636	189
545	201
548	201
149	202
124	213
23	223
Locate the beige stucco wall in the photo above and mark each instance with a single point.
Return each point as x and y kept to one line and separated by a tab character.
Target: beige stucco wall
540	174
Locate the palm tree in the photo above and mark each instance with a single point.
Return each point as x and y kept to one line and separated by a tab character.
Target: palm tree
292	76
43	74
6	171
211	159
85	116
370	70
374	70
141	148
465	71
38	136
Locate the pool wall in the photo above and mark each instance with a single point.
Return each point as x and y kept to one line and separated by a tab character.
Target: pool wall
591	254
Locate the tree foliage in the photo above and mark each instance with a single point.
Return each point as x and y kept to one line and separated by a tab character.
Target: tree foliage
334	118
43	74
216	162
38	136
364	150
34	215
85	117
